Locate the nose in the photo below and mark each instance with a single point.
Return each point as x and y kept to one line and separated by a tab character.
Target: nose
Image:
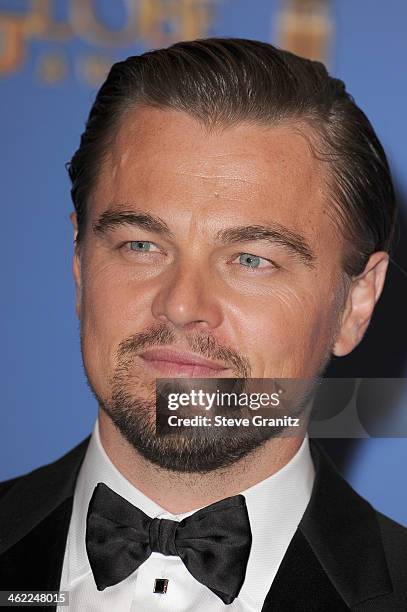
187	298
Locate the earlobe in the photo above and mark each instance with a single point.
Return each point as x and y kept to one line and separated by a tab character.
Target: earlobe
363	295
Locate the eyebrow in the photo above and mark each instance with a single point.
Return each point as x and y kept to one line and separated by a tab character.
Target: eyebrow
111	219
273	233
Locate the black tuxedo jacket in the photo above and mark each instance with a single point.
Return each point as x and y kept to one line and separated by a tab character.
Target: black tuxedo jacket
344	555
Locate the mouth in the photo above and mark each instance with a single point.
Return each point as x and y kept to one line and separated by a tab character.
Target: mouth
170	363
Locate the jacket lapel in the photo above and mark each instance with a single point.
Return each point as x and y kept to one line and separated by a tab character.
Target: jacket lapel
302	584
35	561
34	521
336	558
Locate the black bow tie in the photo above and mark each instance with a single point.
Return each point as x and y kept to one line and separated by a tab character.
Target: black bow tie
214	543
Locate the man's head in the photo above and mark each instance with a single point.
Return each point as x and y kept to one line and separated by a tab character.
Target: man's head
231	200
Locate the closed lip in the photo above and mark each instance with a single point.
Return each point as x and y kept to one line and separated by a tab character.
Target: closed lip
180	357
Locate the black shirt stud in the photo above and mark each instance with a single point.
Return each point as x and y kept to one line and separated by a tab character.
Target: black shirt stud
160	585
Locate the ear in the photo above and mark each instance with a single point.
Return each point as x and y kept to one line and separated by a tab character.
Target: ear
364	292
76	265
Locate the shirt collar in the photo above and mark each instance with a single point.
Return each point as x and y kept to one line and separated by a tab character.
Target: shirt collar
275	507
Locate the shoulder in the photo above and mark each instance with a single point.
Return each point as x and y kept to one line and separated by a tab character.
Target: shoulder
393	532
51	472
394	544
394	538
363	551
7	484
27	500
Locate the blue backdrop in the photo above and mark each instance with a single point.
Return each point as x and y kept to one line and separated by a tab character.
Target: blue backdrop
53	56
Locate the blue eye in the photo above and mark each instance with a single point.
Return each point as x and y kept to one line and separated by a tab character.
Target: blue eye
251	261
140	245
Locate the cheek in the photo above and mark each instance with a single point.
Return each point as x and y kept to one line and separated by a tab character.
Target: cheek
111	311
112	301
289	331
101	304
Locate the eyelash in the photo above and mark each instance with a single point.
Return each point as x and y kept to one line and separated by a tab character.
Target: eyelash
126	245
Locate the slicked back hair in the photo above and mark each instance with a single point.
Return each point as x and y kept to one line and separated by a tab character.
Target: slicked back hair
225	81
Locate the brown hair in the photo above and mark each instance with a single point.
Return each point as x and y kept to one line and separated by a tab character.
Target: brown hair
227	81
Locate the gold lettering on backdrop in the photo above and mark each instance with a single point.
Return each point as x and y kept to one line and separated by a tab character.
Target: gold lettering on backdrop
17	30
47	28
305	27
12	48
147	22
94	69
165	21
52	68
87	25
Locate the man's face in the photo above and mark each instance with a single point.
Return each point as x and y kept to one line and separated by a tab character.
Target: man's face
221	244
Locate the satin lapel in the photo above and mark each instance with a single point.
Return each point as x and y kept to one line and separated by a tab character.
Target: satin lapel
302	584
34	522
336	558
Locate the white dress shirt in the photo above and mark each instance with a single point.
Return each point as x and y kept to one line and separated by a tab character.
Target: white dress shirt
275	506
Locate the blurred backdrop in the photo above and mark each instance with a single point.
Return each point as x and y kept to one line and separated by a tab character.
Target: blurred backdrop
54	54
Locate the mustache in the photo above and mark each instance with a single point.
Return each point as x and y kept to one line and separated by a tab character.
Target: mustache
202	344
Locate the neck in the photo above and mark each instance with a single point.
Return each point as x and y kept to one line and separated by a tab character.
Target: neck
179	492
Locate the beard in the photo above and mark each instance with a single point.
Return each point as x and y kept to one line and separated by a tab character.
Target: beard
134	408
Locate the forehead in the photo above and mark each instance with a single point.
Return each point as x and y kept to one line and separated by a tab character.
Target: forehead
164	158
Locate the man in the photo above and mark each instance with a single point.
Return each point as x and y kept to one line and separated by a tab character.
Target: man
233	216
